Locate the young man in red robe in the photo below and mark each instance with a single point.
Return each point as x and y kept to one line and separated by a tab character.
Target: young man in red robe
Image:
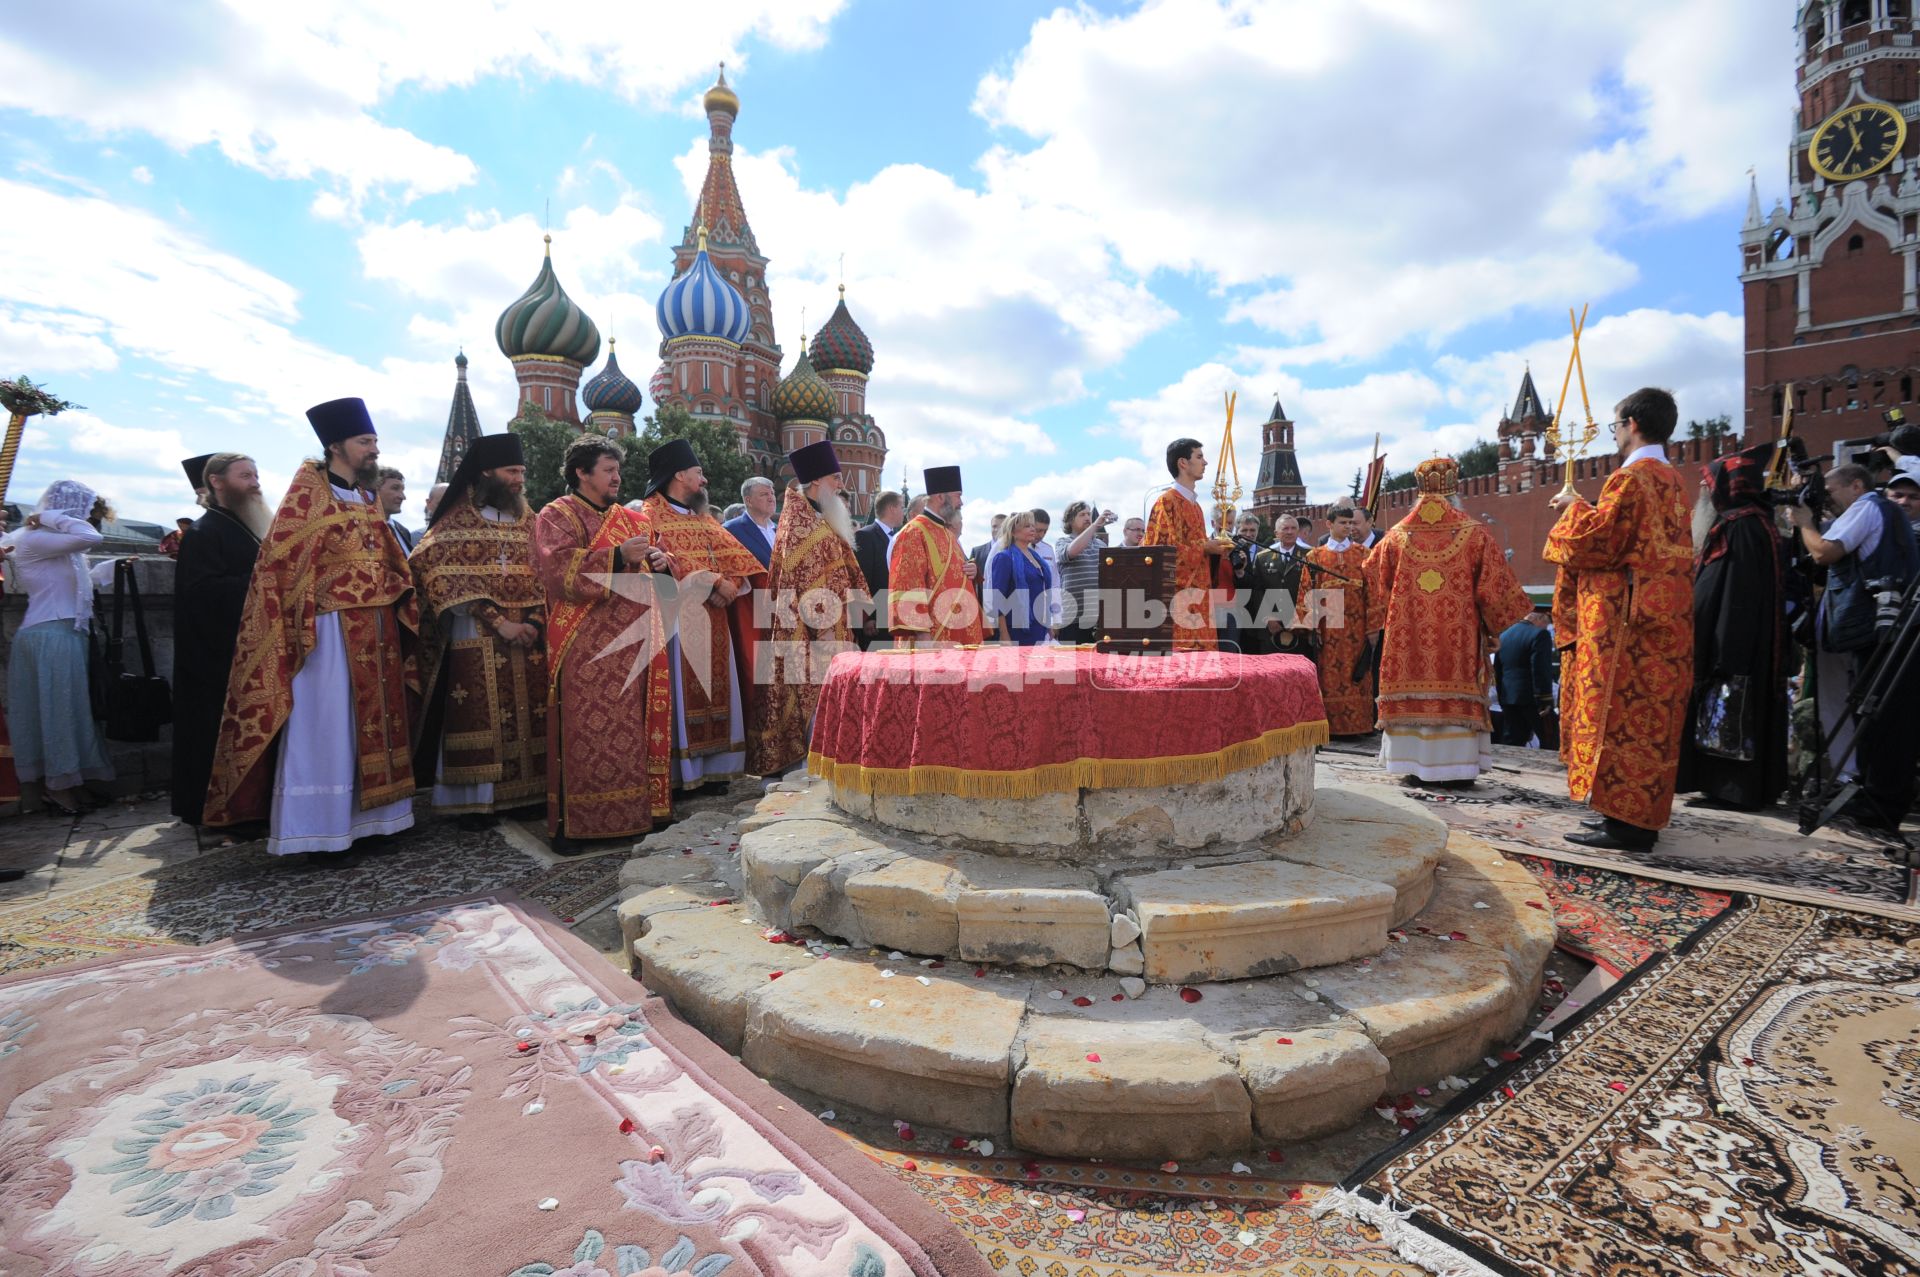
1627	564
610	707
1177	520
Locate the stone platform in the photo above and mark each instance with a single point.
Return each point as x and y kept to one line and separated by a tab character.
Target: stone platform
1367	955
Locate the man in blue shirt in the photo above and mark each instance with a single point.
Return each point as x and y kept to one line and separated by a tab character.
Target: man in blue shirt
1523	665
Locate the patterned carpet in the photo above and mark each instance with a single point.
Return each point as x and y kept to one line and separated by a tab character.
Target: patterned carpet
243	889
463	1089
1617	921
1746	1106
1088	1220
1522	808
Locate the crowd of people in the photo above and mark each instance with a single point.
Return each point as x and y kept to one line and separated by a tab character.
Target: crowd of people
591	662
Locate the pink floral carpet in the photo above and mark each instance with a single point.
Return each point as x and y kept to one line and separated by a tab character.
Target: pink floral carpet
459	1089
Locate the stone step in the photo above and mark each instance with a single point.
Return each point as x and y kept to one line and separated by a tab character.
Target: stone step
1324	895
999	1054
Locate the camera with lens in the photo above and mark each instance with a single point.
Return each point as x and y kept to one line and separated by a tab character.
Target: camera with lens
1811	492
1900	434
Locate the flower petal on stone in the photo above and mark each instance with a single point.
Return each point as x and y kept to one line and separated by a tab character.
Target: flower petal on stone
1170	1167
986	1148
775	975
1189	995
827	1115
551	1203
1283	1041
911	1165
886	975
1093	1057
1456	935
1083	1002
1056	994
626	1126
1241	1168
875	1003
534	1106
926	980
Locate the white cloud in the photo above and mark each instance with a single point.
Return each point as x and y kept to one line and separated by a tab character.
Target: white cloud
54	341
292	91
142	174
1389	169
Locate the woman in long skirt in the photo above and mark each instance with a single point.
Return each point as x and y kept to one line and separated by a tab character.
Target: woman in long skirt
55	739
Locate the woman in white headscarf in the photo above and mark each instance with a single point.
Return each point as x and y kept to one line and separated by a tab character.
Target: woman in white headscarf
55	739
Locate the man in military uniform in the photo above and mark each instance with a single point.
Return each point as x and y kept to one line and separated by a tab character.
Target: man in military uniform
1275	607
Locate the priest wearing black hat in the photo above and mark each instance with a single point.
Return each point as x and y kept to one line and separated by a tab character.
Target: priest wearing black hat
483	731
314	737
713	569
816	585
930	582
196	468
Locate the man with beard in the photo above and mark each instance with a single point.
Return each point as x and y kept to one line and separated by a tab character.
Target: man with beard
1740	651
483	731
315	732
210	589
610	707
713	569
816	575
1628	564
1438	590
1336	611
930	585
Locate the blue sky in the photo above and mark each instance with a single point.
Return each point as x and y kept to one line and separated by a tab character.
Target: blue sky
1067	231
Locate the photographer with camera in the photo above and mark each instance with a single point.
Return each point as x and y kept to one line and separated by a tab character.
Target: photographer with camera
1870	556
1079	555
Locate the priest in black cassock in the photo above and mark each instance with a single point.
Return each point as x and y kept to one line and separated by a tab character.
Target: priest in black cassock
210	588
1738	756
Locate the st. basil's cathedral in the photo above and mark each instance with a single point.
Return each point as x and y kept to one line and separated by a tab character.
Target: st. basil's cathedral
719	359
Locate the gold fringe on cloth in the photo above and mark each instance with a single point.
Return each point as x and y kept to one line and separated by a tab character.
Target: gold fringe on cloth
1081	773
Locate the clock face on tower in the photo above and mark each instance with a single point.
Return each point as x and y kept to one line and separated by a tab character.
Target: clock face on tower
1856	141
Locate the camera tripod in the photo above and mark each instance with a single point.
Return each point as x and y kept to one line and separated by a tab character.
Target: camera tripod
1894	657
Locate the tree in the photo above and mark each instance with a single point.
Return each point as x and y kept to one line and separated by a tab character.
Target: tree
716	443
1359	474
1482	458
545	442
1712	428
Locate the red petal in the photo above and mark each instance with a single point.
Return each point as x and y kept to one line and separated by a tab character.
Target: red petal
1093	1057
626	1126
1030	1166
523	1046
1508	1091
936	966
1407	1123
957	1142
591	1038
1535	904
775	975
1618	1086
906	1134
979	973
657	1154
1294	1195
1189	995
1746	1061
1275	1155
1509	1055
1083	1002
1456	935
911	1165
1284	1041
1119	997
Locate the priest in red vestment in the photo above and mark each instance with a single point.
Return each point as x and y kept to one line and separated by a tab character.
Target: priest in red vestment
1177	520
712	569
483	734
816	579
930	596
315	737
610	703
1440	587
1336	603
1628	565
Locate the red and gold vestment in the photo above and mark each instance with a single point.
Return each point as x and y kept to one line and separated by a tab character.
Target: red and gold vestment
1338	606
1624	603
929	596
321	555
610	707
1176	520
1439	584
815	576
486	698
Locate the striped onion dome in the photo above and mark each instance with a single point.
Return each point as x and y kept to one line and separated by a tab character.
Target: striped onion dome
840	343
546	322
701	303
612	390
660	385
801	395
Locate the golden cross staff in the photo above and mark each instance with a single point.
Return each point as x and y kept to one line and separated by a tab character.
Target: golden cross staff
1779	473
1591	431
1224	499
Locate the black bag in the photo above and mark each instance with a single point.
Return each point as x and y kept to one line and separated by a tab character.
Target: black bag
133	707
1723	721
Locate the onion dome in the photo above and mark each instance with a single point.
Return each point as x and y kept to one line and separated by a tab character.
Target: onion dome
460	361
545	322
801	395
840	343
701	303
611	390
720	97
660	385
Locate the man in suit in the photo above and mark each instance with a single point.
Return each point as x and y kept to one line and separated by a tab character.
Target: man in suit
392	494
870	546
755	528
1523	665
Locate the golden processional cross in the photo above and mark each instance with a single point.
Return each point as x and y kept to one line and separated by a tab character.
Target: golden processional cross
1226	497
1591	431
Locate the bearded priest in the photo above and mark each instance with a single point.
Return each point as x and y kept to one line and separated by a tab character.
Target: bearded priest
610	703
712	569
314	737
816	578
1441	588
930	598
483	732
210	590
